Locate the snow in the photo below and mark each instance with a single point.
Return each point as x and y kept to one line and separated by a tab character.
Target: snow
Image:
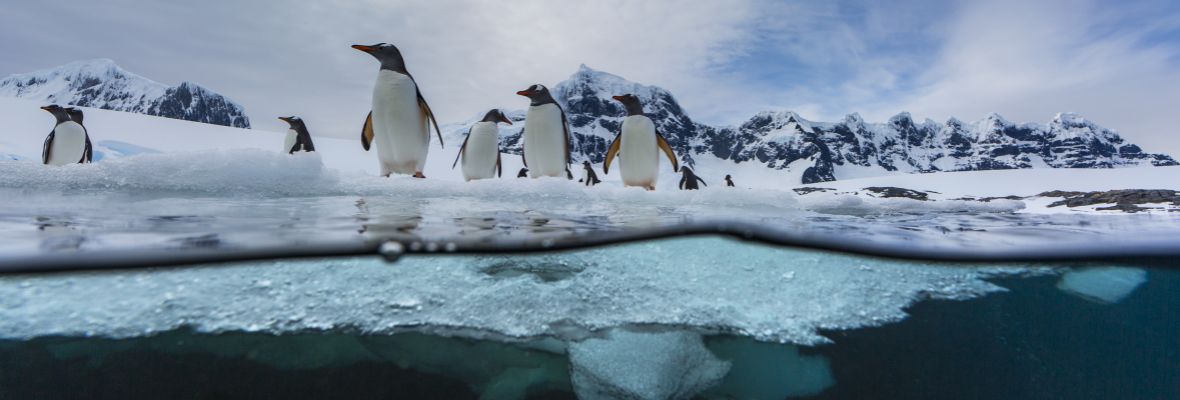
707	284
1020	182
1105	285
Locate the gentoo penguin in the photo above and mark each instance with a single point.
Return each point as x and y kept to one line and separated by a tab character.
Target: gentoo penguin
546	134
588	176
524	173
67	142
688	180
728	181
399	122
640	144
480	151
77	116
298	138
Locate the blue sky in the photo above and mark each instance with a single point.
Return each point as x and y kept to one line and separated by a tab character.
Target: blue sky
1113	62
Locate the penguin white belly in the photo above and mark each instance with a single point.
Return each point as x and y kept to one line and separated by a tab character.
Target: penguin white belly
69	143
289	142
399	125
479	157
544	141
638	154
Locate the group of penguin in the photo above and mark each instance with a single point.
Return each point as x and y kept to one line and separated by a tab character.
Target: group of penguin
399	122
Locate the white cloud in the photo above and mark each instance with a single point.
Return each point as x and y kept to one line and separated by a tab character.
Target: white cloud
1029	60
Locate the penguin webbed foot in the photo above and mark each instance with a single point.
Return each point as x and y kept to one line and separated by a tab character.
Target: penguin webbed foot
419	175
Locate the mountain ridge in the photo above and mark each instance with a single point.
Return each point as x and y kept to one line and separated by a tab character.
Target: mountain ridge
849	147
100	83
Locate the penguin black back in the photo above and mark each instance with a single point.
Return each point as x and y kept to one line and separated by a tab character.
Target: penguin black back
688	180
76	115
591	178
302	136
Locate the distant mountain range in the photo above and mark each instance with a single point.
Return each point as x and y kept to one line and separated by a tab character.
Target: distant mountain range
828	150
102	84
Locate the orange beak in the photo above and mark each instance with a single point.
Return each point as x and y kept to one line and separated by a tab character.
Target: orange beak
619	98
524	93
367	49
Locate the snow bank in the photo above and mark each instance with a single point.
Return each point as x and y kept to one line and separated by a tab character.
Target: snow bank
247	171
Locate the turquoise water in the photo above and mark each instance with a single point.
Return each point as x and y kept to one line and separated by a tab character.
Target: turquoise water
685	318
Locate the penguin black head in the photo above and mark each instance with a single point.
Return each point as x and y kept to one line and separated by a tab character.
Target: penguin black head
293	121
685	169
75	114
495	115
58	112
727	176
388	54
539	95
631	103
586	164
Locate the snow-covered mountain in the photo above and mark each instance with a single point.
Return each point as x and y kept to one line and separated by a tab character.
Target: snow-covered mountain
828	151
102	84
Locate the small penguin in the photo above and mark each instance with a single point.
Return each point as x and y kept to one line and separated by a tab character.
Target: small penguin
524	173
640	143
546	134
67	143
480	151
298	138
400	119
77	116
688	180
588	176
728	181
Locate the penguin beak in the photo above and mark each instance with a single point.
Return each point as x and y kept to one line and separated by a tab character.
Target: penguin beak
524	93
618	98
361	47
505	120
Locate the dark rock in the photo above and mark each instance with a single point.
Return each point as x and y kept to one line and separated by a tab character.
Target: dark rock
807	190
889	191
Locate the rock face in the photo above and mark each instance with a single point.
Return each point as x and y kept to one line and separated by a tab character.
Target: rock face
102	84
784	140
1124	200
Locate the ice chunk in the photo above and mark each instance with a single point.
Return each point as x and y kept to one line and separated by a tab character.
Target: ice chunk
1105	285
704	284
633	365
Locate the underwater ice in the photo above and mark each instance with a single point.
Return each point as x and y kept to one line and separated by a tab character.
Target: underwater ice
711	285
1106	285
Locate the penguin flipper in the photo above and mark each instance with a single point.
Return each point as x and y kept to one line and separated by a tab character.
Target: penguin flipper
499	166
46	146
367	132
304	139
682	180
663	143
610	154
429	115
89	152
522	159
565	127
702	181
461	149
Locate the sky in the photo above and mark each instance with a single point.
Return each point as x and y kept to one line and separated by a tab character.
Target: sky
1114	62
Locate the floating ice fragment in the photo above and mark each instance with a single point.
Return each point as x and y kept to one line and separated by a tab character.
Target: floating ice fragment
1106	285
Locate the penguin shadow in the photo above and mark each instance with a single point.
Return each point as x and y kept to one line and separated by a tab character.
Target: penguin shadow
381	221
58	234
544	268
206	241
477	227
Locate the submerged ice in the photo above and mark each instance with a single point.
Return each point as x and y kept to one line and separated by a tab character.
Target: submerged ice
710	285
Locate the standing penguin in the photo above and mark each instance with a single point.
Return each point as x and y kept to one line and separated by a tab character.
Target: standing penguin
688	180
524	173
546	134
67	143
298	138
399	122
588	176
728	181
480	152
77	116
640	144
